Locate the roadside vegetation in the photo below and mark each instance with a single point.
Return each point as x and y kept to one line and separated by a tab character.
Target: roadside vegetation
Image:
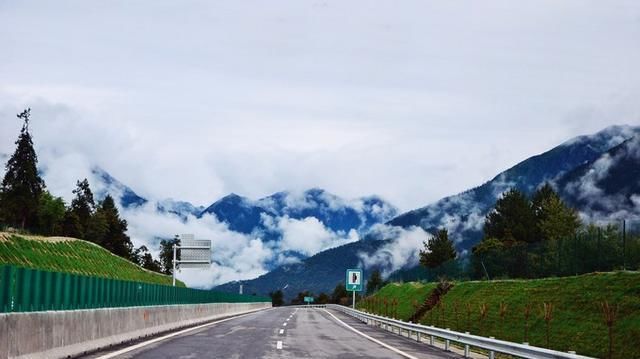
27	207
75	256
576	309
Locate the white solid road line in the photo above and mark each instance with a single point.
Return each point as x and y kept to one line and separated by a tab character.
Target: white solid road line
143	344
281	331
279	344
370	338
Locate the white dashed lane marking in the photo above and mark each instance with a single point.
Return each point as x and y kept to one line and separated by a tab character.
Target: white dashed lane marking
285	324
281	331
279	344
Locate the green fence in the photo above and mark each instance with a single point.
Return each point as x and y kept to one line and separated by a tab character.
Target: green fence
28	290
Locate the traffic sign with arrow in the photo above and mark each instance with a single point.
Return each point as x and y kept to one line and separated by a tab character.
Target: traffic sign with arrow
354	280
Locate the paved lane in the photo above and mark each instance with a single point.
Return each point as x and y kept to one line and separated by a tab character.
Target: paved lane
285	333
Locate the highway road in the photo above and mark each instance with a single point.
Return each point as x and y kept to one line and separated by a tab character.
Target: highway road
282	333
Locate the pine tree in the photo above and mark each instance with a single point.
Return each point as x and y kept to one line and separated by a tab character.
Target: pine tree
83	205
438	250
51	211
71	226
22	186
143	258
116	239
554	219
558	221
375	282
513	219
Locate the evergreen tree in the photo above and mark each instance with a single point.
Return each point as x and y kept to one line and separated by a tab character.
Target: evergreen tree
166	254
542	194
97	228
438	250
375	282
143	258
116	239
277	298
21	186
51	213
71	226
557	221
339	292
322	298
83	205
513	219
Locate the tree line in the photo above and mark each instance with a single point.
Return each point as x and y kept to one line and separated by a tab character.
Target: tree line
27	205
532	237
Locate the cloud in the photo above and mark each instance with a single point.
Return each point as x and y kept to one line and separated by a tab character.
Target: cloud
234	256
308	235
403	250
204	104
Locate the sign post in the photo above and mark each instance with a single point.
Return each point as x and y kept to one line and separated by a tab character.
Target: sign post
194	253
354	283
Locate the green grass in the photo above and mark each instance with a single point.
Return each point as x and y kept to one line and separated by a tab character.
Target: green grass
405	294
577	323
73	256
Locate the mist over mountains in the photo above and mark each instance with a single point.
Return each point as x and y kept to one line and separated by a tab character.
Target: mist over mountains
463	214
287	232
597	174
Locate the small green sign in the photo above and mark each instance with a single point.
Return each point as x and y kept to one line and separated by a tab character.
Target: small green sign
308	299
354	280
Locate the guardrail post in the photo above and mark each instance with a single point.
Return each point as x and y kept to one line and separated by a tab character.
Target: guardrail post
446	343
431	340
466	348
418	337
492	354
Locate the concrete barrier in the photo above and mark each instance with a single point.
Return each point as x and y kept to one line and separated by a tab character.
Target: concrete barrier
61	334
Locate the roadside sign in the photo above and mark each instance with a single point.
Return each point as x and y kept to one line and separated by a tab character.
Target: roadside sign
194	253
308	299
354	280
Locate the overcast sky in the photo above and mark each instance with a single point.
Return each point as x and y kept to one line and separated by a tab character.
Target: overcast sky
410	100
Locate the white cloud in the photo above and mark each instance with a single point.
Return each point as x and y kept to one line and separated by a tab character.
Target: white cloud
205	98
310	236
403	250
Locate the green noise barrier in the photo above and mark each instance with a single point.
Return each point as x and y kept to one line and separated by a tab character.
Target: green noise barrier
31	290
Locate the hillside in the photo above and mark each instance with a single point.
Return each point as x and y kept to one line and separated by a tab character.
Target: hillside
463	214
607	188
336	214
319	273
71	255
577	322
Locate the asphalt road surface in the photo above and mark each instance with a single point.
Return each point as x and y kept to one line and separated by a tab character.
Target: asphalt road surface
285	333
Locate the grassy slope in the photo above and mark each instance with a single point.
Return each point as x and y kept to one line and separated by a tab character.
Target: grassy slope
577	324
405	294
72	256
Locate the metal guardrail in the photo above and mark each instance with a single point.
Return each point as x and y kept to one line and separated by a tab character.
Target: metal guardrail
491	345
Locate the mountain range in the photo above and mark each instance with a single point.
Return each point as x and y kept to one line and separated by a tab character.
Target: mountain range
597	174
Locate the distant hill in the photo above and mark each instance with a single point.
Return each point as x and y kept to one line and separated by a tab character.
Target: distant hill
70	255
103	183
318	273
247	216
607	188
599	174
463	214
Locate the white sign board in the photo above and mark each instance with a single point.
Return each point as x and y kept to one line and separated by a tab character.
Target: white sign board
194	253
